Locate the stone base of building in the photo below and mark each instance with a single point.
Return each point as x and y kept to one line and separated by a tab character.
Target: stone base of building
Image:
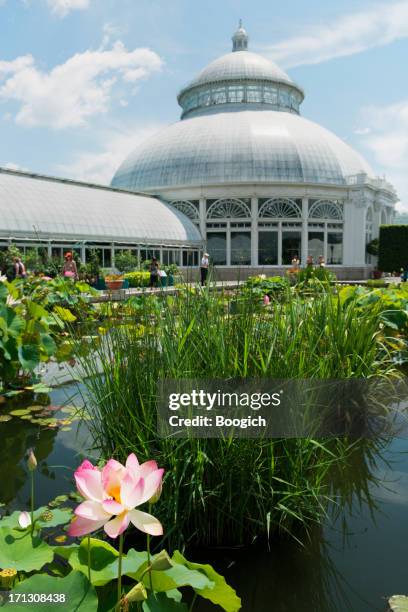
232	273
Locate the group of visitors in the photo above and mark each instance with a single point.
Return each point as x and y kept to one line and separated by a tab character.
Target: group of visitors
309	262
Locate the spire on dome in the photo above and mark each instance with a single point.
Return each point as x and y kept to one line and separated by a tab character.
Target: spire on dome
240	39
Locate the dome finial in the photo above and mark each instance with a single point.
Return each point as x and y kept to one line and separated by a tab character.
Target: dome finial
240	39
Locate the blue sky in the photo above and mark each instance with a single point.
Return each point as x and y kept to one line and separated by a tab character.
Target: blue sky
82	82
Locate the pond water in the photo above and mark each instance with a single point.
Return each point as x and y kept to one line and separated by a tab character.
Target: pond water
350	564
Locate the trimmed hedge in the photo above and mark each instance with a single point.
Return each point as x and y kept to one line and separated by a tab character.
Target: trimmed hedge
393	248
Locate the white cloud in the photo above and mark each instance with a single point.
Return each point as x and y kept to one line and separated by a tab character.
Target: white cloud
99	166
381	24
61	8
70	93
387	140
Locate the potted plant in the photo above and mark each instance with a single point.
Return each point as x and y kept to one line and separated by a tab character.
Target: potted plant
114	282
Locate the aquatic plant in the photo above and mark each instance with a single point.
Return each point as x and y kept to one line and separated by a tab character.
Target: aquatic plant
234	490
83	576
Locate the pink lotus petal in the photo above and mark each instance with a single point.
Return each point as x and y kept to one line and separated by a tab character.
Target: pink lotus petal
92	510
24	520
85	465
147	468
112	506
117	525
151	485
82	526
89	484
112	474
146	522
131	491
132	464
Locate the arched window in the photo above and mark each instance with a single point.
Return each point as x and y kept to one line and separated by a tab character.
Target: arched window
228	209
280	208
186	207
326	209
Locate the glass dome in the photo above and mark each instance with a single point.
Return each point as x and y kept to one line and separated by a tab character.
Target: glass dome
240	124
240	147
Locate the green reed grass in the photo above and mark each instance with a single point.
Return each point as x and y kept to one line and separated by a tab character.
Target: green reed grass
230	491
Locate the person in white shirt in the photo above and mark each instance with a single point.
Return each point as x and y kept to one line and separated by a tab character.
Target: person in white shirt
204	268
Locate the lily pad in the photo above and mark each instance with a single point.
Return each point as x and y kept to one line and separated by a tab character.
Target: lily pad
4	418
44	516
20	412
79	594
398	603
20	551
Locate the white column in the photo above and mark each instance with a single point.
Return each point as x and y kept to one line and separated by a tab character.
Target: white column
112	254
83	253
254	231
280	243
49	250
228	245
203	215
354	230
305	219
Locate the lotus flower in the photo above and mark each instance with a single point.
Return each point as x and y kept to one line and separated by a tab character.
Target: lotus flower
266	300
112	496
24	520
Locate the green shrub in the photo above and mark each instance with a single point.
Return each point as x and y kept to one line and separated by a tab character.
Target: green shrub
393	249
125	261
234	490
138	278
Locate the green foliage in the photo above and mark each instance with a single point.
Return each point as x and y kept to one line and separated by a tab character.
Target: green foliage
393	248
22	552
93	564
80	596
33	317
138	278
125	261
398	603
261	285
222	595
373	246
230	491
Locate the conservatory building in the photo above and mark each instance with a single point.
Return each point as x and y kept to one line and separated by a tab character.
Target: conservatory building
52	216
260	182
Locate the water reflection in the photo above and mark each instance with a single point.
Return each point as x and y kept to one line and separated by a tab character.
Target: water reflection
58	450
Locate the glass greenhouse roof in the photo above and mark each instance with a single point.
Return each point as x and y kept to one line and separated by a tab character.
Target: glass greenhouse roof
240	147
46	208
240	124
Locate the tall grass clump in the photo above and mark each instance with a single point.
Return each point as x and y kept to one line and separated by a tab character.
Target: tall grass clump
229	491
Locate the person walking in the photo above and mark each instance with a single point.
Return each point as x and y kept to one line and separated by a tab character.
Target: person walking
205	262
69	269
154	268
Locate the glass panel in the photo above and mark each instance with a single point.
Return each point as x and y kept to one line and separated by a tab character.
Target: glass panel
254	93
291	246
335	248
217	247
268	248
270	95
56	252
240	248
236	94
190	258
219	95
315	246
204	98
107	258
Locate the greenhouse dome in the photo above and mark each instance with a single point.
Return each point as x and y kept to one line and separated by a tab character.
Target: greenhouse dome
263	184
